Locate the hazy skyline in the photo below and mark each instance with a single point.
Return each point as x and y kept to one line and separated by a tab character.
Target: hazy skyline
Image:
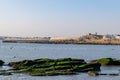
59	17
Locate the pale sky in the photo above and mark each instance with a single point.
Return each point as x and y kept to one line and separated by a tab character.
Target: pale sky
56	18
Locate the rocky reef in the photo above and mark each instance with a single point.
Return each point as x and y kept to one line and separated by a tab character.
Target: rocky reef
50	67
61	66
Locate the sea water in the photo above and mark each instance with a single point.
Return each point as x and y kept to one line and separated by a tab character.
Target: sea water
19	51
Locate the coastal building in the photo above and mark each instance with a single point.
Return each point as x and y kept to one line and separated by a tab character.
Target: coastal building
95	36
111	37
117	36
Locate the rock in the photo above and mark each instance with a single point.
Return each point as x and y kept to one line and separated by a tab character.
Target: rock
62	66
5	73
105	61
89	67
1	62
103	74
108	61
113	74
92	73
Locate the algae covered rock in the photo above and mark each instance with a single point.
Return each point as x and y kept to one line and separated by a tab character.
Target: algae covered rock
49	67
88	67
108	61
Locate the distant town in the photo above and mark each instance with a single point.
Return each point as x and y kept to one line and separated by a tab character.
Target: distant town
108	39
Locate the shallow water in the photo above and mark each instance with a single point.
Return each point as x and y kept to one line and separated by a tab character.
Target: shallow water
20	51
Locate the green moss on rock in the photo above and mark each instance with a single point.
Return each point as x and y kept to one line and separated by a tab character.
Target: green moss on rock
108	61
62	66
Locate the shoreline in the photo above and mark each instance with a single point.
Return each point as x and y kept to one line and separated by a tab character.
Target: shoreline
91	39
48	42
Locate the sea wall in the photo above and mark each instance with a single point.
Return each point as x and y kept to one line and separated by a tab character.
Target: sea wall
65	40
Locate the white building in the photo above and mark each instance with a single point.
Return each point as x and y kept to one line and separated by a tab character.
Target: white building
117	37
111	37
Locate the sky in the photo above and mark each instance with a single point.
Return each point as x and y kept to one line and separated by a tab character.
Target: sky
56	18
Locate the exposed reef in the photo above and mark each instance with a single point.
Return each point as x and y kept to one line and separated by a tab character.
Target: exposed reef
50	67
61	66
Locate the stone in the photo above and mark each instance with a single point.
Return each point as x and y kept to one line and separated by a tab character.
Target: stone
92	73
1	62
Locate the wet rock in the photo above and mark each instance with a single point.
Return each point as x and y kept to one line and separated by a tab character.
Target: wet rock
5	73
92	73
108	61
1	62
88	67
113	74
103	74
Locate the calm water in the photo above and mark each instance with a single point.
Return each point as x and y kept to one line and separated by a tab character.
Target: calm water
19	51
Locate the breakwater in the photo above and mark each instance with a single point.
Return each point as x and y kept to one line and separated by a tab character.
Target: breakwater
48	41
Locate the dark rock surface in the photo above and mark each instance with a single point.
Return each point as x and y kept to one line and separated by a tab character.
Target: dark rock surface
1	62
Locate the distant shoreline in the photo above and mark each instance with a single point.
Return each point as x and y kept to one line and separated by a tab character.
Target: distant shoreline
40	42
91	39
